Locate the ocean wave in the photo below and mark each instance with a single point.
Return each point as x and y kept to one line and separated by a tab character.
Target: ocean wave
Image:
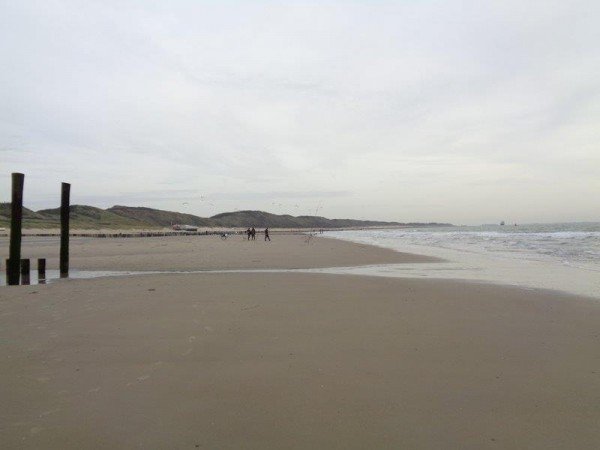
573	243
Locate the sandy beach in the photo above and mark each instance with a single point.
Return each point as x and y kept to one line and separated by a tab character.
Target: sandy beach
259	360
290	251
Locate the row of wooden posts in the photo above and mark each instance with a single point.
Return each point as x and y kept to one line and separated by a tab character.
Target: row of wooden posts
25	271
17	269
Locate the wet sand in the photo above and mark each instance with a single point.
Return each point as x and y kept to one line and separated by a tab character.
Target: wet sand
296	361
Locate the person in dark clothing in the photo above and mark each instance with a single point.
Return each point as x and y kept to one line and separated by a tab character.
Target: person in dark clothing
267	234
249	233
253	234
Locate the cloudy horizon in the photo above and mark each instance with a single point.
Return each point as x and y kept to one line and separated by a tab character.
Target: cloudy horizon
457	111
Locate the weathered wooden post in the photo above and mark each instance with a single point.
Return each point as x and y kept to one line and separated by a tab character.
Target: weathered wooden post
25	274
16	217
64	229
41	269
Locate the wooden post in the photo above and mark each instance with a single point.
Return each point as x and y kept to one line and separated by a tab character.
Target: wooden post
16	217
25	274
64	229
41	269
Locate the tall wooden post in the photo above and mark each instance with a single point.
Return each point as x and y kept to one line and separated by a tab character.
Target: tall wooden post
16	217
64	229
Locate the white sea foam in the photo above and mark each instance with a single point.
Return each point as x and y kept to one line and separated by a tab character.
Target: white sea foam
551	256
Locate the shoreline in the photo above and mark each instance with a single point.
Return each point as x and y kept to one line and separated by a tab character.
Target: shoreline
94	258
369	271
527	271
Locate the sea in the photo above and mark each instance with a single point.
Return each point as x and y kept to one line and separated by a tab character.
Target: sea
558	256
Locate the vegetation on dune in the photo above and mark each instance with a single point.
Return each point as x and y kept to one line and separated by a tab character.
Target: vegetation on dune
31	219
159	218
264	219
129	217
90	217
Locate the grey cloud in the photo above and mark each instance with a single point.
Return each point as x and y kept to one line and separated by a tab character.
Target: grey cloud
280	195
372	103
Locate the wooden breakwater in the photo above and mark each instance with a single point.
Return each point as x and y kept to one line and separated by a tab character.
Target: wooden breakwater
165	233
127	234
141	234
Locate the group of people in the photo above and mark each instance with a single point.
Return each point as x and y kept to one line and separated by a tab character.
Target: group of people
251	232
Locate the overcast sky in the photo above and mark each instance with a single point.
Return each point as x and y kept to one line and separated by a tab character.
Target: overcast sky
461	111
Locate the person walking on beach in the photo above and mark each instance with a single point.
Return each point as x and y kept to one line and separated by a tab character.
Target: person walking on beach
267	234
249	233
253	234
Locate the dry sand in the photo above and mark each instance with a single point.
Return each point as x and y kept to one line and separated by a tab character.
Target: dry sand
209	252
305	361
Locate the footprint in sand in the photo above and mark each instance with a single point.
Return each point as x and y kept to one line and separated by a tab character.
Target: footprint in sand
52	411
155	365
